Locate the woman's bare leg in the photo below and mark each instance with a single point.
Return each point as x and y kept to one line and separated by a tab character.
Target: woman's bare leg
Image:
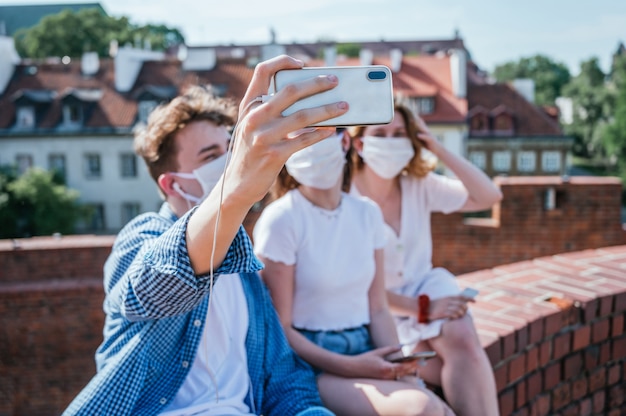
364	397
463	369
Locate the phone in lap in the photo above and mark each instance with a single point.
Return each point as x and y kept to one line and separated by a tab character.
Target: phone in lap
469	292
400	357
367	89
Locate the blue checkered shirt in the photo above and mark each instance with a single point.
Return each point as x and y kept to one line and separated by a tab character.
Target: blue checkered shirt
155	313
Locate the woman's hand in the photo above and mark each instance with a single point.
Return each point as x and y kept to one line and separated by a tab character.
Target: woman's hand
427	138
451	307
372	364
261	143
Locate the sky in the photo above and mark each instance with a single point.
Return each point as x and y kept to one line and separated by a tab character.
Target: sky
494	31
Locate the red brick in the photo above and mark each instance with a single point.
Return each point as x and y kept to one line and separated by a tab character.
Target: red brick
501	376
551	376
561	396
617	325
579	388
561	345
494	352
553	323
523	411
620	302
545	353
520	394
541	406
506	401
605	352
591	310
586	407
581	338
606	305
532	359
571	410
619	348
534	386
597	380
616	396
614	374
517	367
572	366
599	399
600	330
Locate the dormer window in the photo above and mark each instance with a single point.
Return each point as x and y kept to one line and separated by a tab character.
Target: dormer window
502	121
144	108
25	117
478	121
72	114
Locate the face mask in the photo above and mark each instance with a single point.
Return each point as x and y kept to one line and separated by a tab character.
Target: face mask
387	156
319	165
207	175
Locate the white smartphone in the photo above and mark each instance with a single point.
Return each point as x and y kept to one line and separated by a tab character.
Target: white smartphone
399	357
469	292
367	89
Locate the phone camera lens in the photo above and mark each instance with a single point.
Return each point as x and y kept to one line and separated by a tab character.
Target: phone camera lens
376	75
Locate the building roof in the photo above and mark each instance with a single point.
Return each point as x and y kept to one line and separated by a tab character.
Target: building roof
530	120
25	16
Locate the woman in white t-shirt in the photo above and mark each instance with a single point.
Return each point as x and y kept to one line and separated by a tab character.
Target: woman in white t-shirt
323	251
393	165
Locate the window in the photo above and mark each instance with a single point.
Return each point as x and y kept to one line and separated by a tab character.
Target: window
25	117
97	219
551	161
23	162
129	211
526	161
503	123
422	105
479	123
128	164
501	161
73	114
144	108
479	159
92	165
56	163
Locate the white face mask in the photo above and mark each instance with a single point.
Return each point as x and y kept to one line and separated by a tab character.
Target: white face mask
207	175
387	156
320	165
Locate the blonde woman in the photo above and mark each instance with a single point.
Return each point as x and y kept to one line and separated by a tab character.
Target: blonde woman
389	168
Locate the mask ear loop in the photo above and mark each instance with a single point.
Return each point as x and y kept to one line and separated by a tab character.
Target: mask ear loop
229	150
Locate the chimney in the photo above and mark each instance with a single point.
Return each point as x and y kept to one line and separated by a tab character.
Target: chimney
366	56
198	59
396	60
128	63
90	63
330	55
458	72
8	63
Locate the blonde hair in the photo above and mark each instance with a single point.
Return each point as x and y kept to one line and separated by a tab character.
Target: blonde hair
155	142
417	166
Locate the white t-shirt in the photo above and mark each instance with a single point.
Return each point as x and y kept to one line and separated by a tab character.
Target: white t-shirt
333	253
408	256
221	358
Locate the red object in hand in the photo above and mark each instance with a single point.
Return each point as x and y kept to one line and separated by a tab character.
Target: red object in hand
423	305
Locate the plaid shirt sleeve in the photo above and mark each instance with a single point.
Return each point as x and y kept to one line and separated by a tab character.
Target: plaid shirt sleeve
150	273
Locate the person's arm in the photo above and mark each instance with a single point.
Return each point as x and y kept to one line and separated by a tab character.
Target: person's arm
382	326
260	149
482	192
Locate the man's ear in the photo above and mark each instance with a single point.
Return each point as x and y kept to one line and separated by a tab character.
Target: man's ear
166	184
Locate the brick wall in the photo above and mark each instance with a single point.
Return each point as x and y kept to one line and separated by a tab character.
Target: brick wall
564	354
587	215
553	328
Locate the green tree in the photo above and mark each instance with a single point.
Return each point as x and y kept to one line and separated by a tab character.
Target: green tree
88	30
34	204
593	106
615	133
549	76
351	50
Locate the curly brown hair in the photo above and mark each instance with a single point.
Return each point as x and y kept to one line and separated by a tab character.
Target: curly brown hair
417	166
155	142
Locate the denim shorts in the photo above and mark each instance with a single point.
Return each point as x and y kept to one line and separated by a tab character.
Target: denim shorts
350	341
